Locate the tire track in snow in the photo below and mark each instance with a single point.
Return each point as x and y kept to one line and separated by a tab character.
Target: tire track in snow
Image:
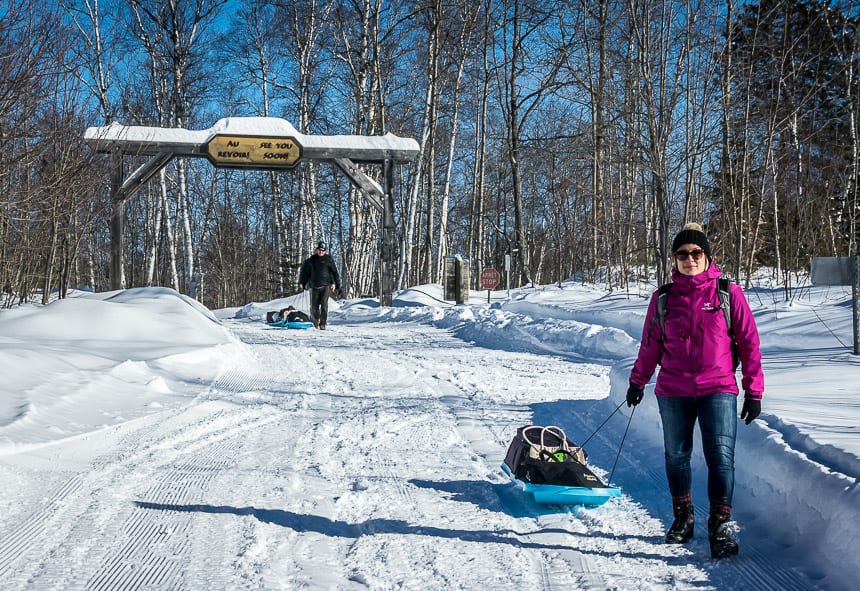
181	450
540	564
311	411
366	394
175	459
482	435
18	542
28	551
156	541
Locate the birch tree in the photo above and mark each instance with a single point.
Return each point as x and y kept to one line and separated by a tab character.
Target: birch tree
176	35
845	221
257	62
585	35
359	50
461	41
662	48
476	242
306	32
424	163
160	204
522	23
33	46
98	53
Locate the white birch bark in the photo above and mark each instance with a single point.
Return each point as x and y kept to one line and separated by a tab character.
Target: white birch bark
469	19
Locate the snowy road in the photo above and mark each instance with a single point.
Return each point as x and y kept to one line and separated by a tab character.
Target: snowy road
366	456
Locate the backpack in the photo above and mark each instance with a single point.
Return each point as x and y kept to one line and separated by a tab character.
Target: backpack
725	293
297	316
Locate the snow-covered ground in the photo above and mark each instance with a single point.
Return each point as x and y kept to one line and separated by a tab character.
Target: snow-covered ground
146	442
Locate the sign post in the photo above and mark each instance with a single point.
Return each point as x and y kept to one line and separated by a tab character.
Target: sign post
490	280
841	271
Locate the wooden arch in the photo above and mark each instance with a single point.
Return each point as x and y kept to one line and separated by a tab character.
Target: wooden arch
257	143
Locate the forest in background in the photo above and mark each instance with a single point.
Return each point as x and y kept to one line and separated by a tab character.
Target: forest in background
575	137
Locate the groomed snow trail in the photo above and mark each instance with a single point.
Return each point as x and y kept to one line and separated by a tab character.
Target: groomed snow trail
366	456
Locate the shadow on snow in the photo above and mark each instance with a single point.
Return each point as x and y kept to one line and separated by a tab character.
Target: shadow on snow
329	527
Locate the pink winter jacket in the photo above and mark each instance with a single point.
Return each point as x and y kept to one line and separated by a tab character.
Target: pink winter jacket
695	355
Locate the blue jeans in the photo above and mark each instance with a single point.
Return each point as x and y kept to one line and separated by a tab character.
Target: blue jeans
717	416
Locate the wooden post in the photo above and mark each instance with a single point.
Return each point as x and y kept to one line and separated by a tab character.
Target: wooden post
117	218
388	235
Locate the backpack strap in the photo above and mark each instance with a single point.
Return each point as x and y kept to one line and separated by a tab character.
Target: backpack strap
660	317
724	289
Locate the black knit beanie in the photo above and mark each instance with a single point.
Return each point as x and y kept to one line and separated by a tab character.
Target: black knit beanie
692	234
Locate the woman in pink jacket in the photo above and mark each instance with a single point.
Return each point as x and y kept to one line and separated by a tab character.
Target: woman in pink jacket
697	382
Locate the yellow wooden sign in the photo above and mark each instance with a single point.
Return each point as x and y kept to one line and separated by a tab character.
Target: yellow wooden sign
248	151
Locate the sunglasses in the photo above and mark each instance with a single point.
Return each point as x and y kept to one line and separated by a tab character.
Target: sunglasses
683	255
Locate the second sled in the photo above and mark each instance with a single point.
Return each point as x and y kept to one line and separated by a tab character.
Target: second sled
285	324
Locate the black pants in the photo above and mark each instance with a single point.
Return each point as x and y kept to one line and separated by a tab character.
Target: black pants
319	305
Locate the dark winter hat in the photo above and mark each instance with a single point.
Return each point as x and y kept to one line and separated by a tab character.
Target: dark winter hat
320	245
692	234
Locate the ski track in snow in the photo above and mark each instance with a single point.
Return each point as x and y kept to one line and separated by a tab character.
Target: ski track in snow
366	456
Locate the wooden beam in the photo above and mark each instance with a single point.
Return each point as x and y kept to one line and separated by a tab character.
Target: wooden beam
149	141
369	188
145	172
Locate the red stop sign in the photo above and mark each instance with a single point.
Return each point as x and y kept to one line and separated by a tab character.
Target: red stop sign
490	278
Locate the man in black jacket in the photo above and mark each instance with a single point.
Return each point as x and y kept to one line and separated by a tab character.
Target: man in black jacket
319	275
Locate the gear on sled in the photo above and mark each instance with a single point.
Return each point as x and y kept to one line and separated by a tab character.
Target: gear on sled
545	463
289	317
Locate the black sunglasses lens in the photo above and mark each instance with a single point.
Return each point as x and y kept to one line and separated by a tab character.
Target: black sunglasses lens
683	255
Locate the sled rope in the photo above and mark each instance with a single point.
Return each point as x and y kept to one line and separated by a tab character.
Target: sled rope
617	408
621	445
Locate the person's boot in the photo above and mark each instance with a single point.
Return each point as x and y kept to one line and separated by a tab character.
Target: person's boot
682	528
720	536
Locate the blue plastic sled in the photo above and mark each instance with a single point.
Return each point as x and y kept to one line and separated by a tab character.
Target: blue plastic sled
553	494
284	323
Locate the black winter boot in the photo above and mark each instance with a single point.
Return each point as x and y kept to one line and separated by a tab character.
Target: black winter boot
720	536
682	528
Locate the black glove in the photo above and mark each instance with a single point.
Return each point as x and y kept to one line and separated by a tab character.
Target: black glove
751	409
634	395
